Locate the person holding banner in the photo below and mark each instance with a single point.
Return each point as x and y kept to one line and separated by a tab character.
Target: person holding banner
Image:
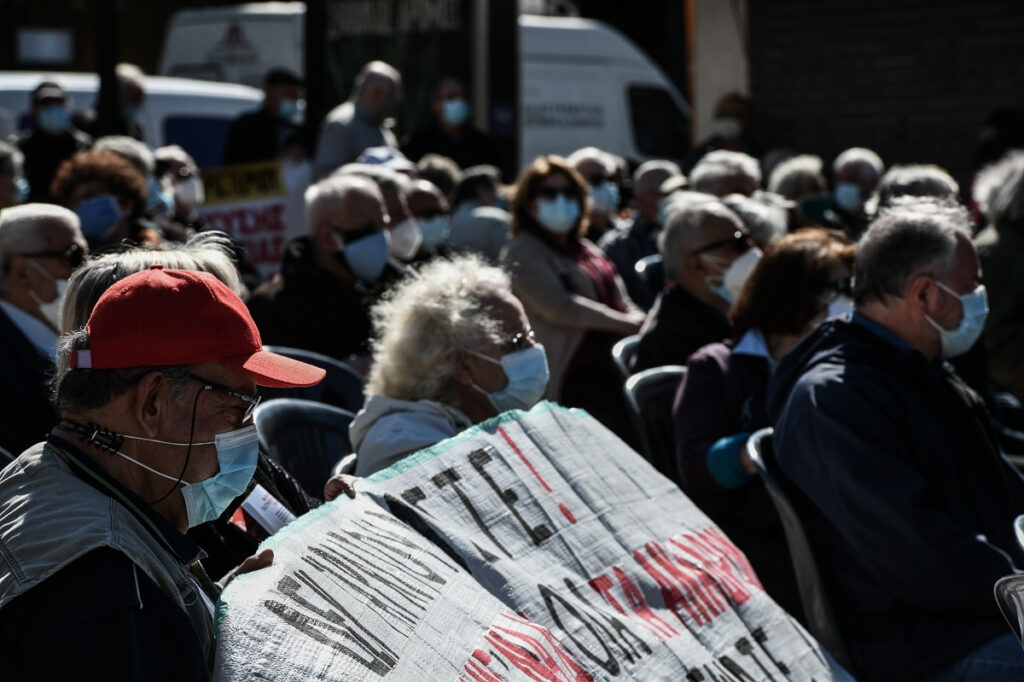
97	578
454	347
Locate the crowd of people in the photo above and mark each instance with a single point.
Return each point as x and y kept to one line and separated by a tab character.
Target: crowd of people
845	305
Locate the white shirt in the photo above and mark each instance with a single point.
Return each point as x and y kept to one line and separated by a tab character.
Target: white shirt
34	329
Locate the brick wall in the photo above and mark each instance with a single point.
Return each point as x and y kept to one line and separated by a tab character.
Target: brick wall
912	79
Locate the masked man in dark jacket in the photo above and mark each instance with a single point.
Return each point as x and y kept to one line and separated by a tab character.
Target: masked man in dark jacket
906	496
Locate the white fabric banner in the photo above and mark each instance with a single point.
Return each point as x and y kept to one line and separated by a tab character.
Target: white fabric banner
563	555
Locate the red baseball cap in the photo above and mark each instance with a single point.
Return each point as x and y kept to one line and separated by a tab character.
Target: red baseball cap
161	317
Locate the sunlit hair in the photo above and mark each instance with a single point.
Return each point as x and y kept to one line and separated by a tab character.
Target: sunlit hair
105	167
421	326
789	176
919	180
526	189
786	290
720	165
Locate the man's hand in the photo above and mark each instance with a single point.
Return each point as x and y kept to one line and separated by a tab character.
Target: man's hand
342	483
253	563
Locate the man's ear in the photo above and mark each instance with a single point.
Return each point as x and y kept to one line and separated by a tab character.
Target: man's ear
921	293
152	400
462	373
16	268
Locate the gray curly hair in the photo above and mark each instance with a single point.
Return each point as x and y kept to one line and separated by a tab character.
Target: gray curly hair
437	311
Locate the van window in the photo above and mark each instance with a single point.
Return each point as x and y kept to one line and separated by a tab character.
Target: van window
203	137
659	127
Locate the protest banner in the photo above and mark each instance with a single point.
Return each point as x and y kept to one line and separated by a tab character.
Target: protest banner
259	205
567	556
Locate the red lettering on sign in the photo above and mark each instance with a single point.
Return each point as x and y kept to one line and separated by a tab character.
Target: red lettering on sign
672	593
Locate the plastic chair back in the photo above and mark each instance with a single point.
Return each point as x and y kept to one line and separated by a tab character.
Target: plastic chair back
817	609
649	396
306	438
342	387
622	354
651	271
1009	593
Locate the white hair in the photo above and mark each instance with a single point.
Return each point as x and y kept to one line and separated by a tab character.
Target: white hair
720	164
917	180
444	308
23	229
765	221
686	216
581	156
787	177
131	150
130	74
173	152
862	157
1001	183
332	191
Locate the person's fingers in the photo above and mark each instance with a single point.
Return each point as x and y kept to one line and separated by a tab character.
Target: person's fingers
256	562
333	487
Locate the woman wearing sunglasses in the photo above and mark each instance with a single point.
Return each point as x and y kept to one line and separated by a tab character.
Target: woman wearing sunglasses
576	303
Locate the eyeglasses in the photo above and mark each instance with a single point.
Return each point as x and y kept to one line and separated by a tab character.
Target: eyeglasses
519	341
550	193
252	400
430	215
74	255
739	242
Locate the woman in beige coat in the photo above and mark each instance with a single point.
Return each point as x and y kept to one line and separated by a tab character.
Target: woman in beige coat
575	300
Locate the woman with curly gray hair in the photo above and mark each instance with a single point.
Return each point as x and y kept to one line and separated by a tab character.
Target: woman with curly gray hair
453	348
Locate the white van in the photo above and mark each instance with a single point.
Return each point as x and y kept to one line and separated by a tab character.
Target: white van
235	44
581	81
195	114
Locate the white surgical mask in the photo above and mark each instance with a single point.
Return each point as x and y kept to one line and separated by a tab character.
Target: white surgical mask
727	127
50	309
735	275
406	238
959	340
190	191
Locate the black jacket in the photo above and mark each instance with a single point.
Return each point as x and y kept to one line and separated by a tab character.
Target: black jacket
309	308
906	497
678	324
43	155
27	415
259	136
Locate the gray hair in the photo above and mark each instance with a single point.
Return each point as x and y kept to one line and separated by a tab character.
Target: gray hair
862	158
81	390
23	230
130	75
581	156
332	192
421	325
910	238
765	221
210	251
787	177
131	150
999	190
717	165
917	181
11	159
686	215
375	72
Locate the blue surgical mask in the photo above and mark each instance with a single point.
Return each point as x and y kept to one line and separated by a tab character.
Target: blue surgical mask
161	201
289	109
367	256
605	197
455	112
435	231
98	216
847	197
527	373
558	215
958	341
206	500
54	118
21	190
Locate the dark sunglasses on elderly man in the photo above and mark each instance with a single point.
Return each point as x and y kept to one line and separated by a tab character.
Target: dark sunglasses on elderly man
551	193
73	255
739	242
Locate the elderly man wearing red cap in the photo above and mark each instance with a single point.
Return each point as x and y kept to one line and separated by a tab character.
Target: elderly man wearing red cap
97	577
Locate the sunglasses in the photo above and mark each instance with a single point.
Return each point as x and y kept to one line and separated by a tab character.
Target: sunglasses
252	400
551	193
430	215
74	255
739	242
